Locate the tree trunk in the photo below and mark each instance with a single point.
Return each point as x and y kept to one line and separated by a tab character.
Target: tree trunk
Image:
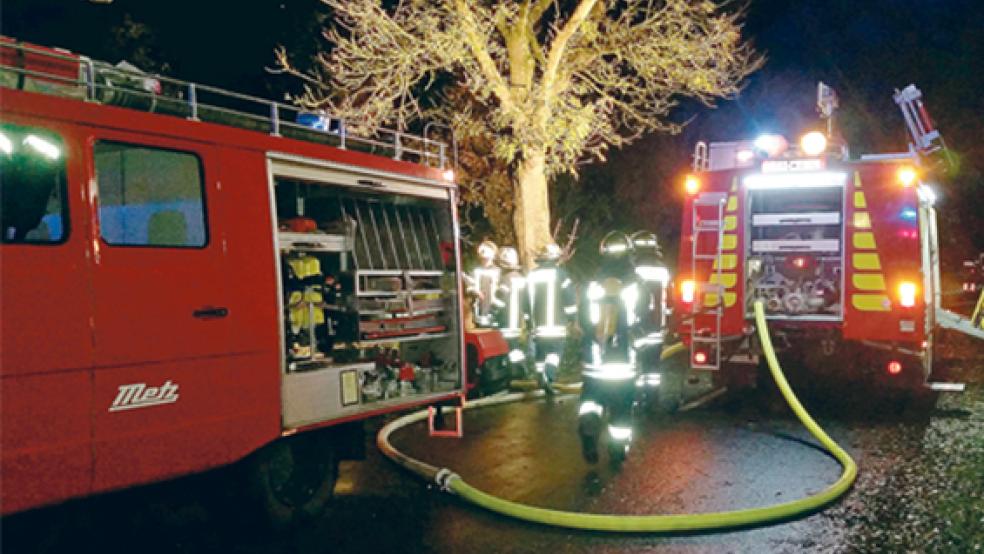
532	207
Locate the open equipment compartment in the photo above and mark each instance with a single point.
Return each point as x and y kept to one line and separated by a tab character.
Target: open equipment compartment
795	251
370	298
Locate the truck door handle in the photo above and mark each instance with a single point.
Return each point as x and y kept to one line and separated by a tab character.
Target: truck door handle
210	312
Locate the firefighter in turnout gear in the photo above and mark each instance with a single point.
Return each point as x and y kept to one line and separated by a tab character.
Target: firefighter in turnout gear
552	304
484	284
610	370
514	312
649	316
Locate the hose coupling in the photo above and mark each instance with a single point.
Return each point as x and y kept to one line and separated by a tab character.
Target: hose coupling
443	478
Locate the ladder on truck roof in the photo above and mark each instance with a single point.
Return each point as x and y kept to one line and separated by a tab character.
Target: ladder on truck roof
58	72
705	318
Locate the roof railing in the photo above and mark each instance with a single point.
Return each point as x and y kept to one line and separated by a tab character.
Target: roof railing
27	67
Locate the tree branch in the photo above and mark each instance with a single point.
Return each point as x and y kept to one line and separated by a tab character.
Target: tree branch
477	47
559	45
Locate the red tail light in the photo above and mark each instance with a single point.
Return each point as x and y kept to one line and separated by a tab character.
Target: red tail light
700	358
894	367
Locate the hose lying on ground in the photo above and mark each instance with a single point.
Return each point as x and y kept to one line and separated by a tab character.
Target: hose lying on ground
452	482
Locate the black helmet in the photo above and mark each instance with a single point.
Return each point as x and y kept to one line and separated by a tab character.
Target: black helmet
615	245
645	246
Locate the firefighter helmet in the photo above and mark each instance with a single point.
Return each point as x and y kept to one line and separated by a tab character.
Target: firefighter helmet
615	245
487	251
508	257
550	252
646	246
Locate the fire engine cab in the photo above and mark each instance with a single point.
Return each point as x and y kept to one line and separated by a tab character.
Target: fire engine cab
192	276
842	251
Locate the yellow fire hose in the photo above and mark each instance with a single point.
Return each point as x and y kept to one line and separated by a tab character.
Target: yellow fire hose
453	483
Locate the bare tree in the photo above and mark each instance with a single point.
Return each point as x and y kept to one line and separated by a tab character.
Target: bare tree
549	83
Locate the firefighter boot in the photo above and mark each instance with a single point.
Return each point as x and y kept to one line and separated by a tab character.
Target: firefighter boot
589	428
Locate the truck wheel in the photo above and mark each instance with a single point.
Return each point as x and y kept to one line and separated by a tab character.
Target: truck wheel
667	397
293	479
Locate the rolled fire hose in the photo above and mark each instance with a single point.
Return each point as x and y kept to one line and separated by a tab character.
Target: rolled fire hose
453	483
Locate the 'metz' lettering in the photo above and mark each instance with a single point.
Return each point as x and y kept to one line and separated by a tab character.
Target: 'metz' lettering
139	395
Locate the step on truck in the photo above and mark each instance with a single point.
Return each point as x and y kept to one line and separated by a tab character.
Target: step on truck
842	251
195	278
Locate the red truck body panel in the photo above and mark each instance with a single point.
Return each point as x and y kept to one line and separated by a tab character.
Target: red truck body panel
80	319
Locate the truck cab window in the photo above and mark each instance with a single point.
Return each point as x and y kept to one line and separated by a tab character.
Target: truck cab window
32	186
150	196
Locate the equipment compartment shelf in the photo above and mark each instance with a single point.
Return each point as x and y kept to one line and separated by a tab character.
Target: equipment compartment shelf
314	242
823	245
804	218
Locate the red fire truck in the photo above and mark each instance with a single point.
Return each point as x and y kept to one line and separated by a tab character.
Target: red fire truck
191	277
842	252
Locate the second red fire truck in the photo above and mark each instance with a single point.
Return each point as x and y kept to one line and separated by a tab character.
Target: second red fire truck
842	252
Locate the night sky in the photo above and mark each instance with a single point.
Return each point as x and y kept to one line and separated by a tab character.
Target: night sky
864	49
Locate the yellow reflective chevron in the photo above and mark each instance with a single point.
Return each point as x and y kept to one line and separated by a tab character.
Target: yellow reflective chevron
871	302
862	220
729	242
859	201
732	204
728	261
857	179
868	281
727	279
730	222
863	240
711	299
865	261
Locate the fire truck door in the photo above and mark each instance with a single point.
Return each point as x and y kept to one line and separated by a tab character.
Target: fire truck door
45	334
162	323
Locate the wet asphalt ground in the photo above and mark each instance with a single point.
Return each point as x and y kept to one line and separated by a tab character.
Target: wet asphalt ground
920	487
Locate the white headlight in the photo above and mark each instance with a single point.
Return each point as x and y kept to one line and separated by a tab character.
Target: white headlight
813	143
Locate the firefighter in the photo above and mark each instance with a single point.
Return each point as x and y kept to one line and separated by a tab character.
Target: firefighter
649	317
610	371
552	303
514	311
484	283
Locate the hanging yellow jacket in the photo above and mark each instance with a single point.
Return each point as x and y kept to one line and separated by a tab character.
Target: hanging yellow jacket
299	306
305	266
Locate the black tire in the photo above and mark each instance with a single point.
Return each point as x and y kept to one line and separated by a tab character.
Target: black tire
292	480
668	396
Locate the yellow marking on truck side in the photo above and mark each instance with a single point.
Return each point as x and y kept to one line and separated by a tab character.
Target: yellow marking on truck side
727	279
732	204
711	299
863	239
727	261
868	281
730	222
866	261
857	179
859	201
871	302
862	220
729	242
734	184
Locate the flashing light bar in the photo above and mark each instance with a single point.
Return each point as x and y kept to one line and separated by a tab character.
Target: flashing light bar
795	180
